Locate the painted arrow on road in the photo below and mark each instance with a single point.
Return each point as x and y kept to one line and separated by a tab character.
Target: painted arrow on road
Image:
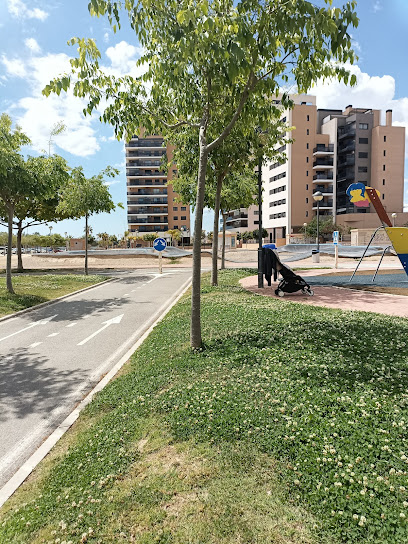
114	320
41	322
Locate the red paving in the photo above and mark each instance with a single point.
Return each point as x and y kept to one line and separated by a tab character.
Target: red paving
337	297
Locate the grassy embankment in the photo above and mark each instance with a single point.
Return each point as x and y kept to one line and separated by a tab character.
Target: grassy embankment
31	290
290	427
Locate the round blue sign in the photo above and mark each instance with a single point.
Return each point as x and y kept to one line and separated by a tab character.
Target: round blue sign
160	244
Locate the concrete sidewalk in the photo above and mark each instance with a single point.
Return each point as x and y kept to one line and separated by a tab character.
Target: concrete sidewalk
337	297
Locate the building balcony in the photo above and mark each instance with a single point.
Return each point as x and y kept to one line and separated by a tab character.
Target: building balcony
323	177
324	150
147	201
143	164
143	228
135	209
145	192
152	144
144	154
236	217
147	174
324	189
346	133
147	183
322	163
137	220
350	146
324	204
348	160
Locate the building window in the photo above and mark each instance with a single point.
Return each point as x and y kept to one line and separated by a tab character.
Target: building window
383	167
384	152
307	214
183	208
175	218
363	140
308	117
307	187
383	181
256	222
385	139
175	226
307	159
363	155
307	200
363	126
175	208
307	132
183	218
256	212
383	196
307	173
307	146
362	169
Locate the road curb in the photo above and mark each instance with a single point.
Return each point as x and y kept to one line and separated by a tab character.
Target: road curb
25	470
55	300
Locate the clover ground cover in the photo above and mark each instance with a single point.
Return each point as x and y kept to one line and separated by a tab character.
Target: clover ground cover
314	399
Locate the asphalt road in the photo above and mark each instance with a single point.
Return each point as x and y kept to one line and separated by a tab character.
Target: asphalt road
51	357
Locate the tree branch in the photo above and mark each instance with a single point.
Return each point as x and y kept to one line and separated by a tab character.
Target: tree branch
252	81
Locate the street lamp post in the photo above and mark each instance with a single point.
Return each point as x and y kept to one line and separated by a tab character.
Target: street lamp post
394	217
318	197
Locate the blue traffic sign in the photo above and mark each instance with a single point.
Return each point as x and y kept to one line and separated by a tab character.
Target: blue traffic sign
335	237
160	244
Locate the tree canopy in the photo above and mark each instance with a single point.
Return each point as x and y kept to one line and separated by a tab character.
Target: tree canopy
206	61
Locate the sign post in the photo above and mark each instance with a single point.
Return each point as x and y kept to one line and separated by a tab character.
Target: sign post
336	248
160	245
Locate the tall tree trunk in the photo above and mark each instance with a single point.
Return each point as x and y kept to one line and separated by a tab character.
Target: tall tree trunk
9	284
86	244
214	271
20	267
195	336
224	226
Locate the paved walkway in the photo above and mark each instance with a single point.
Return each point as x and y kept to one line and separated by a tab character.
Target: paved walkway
337	297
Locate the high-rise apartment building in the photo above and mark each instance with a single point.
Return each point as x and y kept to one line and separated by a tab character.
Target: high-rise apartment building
331	150
151	202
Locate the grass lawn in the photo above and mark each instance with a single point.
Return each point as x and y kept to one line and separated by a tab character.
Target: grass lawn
31	289
290	427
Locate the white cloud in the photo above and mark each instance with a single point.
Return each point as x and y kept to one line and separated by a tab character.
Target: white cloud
123	57
14	67
17	8
37	114
106	37
377	92
32	44
377	6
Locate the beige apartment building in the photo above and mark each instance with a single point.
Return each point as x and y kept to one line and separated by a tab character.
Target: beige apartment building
151	202
331	150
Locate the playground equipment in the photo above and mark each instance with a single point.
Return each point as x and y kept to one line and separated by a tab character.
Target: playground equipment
361	196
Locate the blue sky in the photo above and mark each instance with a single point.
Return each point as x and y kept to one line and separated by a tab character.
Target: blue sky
33	49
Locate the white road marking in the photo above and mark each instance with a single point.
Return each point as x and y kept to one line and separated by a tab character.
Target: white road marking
35	344
114	320
42	322
71	325
52	334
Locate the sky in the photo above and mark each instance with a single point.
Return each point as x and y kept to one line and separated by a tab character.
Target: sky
34	50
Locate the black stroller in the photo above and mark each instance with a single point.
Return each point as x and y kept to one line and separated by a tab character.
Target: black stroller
290	282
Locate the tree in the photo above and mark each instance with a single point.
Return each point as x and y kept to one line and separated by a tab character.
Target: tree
40	208
103	239
82	197
207	62
240	151
15	182
326	227
150	237
175	234
238	190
